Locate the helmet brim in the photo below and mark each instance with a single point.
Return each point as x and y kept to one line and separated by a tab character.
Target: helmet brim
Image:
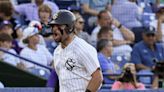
54	22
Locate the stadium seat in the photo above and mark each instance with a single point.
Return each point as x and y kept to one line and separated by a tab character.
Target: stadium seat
64	4
147	18
145	79
138	33
40	72
119	60
23	1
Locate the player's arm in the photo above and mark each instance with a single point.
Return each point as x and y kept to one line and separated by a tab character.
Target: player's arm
95	81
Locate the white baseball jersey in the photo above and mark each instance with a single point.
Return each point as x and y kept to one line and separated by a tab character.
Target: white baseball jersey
75	64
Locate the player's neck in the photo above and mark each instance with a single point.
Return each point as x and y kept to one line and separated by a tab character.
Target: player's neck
67	41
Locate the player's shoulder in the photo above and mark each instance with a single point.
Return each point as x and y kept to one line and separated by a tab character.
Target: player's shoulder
81	44
58	50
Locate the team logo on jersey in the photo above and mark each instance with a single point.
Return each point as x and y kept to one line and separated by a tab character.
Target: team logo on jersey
70	64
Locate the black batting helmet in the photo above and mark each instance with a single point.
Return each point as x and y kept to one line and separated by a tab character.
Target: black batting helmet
63	17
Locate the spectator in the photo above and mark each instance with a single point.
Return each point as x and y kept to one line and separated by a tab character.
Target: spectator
105	33
149	5
122	36
6	44
30	10
159	24
34	51
33	25
104	48
44	15
127	13
19	33
6	27
128	79
91	8
6	14
147	52
79	25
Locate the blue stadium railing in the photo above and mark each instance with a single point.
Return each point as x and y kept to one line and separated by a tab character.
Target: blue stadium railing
26	89
46	67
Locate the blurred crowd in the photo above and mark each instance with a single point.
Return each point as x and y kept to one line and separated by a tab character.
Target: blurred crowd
126	33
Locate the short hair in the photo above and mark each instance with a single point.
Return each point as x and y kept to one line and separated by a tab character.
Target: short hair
101	44
5	23
5	37
104	30
101	12
6	8
45	8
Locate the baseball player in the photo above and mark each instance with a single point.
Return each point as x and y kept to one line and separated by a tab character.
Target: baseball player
75	61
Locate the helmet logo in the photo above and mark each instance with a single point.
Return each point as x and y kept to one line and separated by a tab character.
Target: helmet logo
55	16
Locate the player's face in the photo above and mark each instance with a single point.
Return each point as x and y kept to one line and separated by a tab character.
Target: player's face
56	33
